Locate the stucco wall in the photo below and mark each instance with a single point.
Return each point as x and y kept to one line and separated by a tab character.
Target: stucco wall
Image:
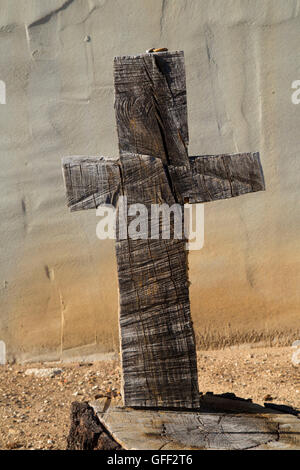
58	281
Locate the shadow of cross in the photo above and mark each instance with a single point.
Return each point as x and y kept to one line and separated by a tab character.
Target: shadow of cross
159	367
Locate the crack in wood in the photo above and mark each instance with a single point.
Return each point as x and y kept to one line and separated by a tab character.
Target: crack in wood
159	366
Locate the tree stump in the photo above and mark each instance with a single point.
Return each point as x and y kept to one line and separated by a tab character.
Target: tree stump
87	432
224	422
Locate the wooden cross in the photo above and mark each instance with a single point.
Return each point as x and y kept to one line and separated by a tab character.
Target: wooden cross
159	367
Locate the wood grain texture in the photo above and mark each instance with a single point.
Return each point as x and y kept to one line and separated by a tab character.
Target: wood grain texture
186	430
86	431
213	177
225	176
91	181
151	108
157	338
151	115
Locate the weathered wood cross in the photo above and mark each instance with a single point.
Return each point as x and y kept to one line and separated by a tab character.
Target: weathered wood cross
157	339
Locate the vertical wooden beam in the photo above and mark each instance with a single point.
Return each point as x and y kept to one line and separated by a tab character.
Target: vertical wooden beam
151	108
157	338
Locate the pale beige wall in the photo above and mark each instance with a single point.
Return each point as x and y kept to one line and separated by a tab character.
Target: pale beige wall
58	281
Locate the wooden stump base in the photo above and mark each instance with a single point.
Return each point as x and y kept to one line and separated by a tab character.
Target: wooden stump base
221	423
86	432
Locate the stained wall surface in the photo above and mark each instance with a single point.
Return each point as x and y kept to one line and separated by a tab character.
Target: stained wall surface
58	291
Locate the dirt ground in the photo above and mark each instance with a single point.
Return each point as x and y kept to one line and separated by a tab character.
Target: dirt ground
34	412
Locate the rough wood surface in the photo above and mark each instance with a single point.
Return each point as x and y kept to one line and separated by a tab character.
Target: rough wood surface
86	431
185	430
213	177
91	181
151	108
157	339
150	105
